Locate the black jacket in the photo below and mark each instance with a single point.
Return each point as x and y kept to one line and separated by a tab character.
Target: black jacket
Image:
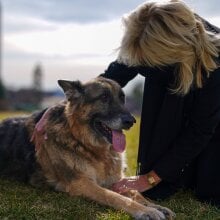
175	130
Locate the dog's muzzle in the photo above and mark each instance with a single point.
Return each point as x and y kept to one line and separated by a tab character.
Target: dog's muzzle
127	120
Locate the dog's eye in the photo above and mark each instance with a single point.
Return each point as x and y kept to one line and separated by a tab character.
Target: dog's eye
122	97
105	98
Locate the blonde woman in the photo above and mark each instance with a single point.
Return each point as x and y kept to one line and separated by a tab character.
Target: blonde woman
178	54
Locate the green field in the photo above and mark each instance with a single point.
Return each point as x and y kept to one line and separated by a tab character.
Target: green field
20	201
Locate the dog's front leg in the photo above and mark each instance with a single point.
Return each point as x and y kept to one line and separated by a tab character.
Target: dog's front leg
89	189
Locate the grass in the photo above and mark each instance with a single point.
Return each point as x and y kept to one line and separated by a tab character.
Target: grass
20	202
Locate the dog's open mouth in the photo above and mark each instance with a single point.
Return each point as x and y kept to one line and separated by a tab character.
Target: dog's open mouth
115	137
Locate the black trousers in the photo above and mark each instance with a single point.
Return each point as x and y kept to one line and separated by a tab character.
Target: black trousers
202	176
207	185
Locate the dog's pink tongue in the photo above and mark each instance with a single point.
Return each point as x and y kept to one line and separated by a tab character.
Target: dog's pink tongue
118	141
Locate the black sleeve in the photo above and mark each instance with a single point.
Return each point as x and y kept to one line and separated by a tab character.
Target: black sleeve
121	73
203	120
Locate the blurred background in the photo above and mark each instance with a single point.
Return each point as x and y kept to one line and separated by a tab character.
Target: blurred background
42	41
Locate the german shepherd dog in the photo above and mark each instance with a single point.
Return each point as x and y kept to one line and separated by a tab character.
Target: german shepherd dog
82	153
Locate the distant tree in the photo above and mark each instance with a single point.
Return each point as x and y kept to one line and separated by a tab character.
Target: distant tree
2	90
37	86
4	105
37	78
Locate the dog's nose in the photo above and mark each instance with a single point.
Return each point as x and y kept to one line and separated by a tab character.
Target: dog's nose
127	120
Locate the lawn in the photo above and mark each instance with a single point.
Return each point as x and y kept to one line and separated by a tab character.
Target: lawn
20	201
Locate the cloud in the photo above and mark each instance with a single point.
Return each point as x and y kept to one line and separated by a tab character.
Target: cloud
70	51
72	37
69	40
80	11
19	23
22	15
205	8
87	10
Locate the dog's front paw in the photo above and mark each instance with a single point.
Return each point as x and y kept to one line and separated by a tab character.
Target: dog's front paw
150	214
167	212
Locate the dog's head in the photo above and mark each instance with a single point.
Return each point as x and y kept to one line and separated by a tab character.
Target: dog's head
96	112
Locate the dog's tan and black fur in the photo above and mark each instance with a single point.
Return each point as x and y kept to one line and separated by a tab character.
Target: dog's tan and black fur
78	156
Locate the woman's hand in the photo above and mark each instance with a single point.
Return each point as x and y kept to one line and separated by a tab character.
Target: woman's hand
139	183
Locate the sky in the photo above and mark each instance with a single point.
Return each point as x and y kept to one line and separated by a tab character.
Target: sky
70	39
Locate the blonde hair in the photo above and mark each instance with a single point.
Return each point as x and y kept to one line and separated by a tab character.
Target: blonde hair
159	34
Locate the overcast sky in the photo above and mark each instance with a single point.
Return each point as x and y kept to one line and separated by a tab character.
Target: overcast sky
71	39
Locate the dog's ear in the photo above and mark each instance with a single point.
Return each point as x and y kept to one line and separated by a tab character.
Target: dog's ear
72	89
